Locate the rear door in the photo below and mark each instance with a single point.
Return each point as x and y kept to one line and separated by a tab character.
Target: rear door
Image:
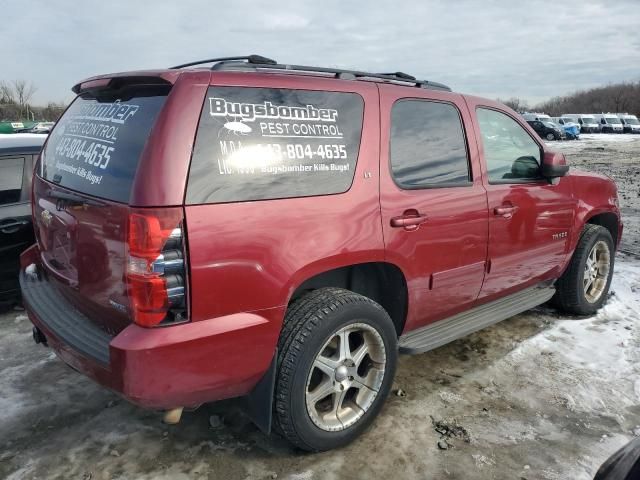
434	207
82	190
529	218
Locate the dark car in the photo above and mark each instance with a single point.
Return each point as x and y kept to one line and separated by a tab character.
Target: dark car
17	156
547	130
281	233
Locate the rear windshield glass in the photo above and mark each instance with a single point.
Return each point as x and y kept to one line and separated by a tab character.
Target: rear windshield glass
265	143
96	145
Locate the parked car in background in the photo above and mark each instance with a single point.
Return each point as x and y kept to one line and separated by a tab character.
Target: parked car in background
630	123
588	123
543	117
547	130
17	156
268	231
571	129
40	127
609	123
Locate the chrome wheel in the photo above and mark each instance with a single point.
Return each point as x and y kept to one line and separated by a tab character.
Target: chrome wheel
345	377
596	271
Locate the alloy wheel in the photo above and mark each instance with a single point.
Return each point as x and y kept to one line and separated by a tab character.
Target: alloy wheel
345	377
596	271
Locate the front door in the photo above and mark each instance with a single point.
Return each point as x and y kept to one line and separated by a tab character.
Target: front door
434	207
529	218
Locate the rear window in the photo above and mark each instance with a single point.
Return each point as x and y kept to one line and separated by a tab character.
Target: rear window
266	143
96	145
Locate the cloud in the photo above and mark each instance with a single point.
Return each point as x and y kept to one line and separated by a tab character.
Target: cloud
492	48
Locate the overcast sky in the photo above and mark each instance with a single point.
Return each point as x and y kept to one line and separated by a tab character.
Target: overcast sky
530	49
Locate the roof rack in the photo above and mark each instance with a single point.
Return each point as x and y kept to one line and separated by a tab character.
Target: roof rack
257	59
258	62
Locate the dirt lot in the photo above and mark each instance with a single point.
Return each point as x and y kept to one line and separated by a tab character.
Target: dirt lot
535	397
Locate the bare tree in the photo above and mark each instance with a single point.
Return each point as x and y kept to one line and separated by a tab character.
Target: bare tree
615	98
517	104
23	91
6	93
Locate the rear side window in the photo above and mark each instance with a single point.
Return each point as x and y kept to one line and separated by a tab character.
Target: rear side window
96	145
266	143
11	173
428	147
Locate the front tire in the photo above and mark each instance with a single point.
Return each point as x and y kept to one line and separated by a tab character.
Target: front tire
337	357
550	136
584	286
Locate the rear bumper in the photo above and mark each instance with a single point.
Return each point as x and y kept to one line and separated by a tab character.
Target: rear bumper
159	368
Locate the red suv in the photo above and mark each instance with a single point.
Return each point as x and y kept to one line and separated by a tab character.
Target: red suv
280	233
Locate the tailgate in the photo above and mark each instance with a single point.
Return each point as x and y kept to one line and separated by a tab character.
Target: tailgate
83	248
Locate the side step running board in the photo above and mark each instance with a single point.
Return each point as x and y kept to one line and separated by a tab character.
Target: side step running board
444	331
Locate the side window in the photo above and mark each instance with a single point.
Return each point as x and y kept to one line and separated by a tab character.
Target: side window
511	154
11	173
268	143
428	147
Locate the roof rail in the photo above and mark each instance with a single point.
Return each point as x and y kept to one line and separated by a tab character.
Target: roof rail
258	62
257	59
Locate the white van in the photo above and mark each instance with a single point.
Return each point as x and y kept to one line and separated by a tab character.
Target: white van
630	123
587	122
609	123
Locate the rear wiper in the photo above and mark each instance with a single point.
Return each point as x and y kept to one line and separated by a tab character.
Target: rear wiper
74	198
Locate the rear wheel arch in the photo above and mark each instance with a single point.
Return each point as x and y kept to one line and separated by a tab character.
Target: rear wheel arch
382	282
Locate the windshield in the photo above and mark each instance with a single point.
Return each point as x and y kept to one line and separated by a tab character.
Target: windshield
632	121
570	119
96	145
588	120
613	120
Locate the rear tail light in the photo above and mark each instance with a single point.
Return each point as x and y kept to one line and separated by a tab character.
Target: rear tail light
156	266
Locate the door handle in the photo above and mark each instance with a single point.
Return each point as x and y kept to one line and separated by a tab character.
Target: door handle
12	226
505	211
410	221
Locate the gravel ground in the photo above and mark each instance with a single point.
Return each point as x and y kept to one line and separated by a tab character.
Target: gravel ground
538	396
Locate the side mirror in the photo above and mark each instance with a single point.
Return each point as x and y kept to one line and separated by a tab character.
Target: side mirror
554	165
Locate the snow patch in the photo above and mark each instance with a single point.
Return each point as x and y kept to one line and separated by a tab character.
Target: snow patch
598	373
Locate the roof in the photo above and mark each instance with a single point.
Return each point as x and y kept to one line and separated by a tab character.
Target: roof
21	142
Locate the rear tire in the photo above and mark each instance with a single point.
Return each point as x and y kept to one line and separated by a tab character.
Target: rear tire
337	357
550	136
584	286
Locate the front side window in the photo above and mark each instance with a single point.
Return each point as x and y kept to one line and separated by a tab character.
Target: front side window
11	174
428	147
510	153
268	143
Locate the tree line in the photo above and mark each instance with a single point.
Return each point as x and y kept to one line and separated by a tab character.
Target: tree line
15	103
614	98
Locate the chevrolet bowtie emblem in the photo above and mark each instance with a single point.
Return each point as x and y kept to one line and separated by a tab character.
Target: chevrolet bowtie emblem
46	217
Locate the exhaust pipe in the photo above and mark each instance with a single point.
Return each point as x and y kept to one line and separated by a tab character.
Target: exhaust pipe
39	337
172	417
